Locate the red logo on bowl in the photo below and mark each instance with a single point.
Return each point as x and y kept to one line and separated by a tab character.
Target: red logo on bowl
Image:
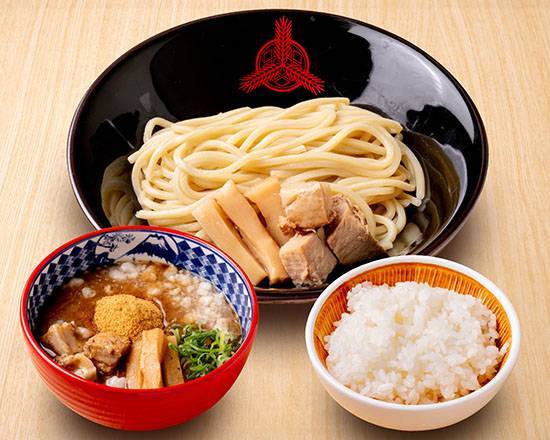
282	65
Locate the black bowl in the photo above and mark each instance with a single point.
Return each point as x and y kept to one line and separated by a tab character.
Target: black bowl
197	69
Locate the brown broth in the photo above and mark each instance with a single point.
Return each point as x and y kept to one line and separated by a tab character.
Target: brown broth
71	305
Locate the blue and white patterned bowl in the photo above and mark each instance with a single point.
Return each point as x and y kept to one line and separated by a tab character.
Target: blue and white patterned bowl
153	409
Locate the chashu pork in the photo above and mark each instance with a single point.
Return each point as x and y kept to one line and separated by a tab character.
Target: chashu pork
79	364
106	349
348	235
307	259
63	338
307	205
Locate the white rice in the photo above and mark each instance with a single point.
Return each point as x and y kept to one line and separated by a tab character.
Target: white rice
413	343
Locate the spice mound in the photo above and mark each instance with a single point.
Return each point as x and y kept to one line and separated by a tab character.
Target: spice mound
126	315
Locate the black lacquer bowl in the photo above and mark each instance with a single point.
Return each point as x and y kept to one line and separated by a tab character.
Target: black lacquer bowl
220	63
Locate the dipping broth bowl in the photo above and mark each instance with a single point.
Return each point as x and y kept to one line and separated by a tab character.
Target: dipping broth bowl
437	272
137	409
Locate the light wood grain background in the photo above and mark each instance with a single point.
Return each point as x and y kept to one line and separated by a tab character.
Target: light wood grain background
51	51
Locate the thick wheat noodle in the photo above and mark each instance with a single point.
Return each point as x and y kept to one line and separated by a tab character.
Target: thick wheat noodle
117	196
357	152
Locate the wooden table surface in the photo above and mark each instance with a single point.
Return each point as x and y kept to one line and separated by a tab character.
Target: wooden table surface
50	52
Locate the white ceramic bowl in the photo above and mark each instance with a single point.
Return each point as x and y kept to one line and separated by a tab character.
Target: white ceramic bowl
422	269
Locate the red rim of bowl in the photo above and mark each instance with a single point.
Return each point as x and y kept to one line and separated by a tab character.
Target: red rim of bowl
36	347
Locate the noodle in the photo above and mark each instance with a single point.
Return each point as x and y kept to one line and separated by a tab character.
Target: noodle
357	152
117	197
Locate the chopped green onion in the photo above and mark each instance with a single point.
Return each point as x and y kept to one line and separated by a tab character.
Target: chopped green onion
201	351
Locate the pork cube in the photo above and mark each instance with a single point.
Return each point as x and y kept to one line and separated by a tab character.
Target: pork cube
79	364
63	338
348	235
307	260
307	205
106	349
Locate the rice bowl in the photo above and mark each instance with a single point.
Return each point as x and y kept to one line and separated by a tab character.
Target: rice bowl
436	272
413	343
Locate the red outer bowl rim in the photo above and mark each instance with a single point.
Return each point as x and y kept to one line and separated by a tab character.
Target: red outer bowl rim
71	377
